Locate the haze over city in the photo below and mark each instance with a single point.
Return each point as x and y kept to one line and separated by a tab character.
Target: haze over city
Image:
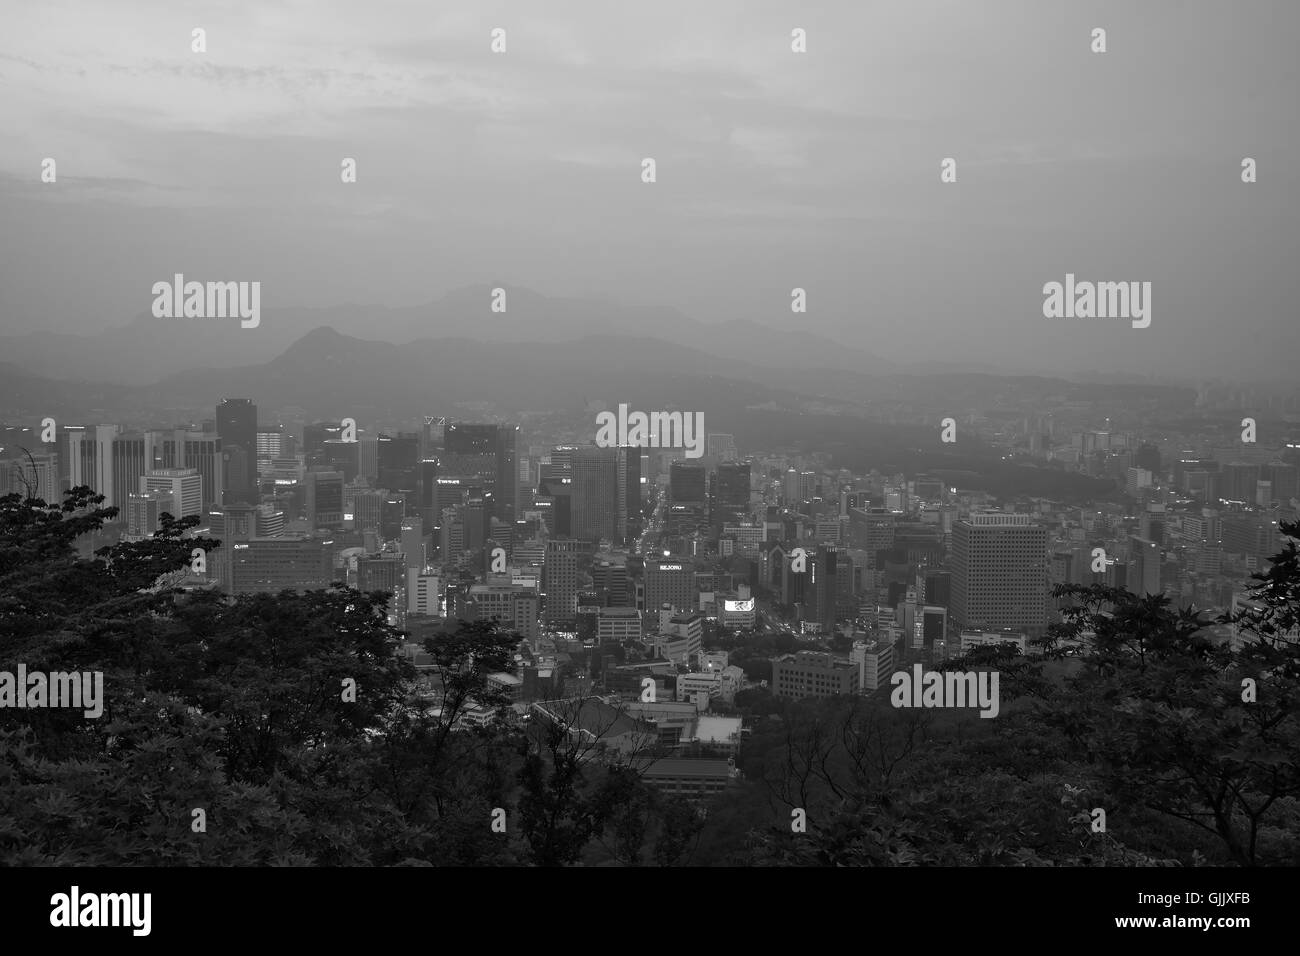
775	171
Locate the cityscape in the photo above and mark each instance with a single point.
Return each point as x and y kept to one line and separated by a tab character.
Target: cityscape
714	442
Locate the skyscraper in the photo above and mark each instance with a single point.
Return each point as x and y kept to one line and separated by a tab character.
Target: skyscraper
629	499
324	498
560	573
237	428
999	572
595	493
399	463
686	483
464	442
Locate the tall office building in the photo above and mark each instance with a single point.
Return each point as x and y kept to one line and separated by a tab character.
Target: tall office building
1145	565
324	499
555	495
382	571
422	594
412	538
731	490
999	573
200	450
595	493
1237	481
76	445
183	485
1284	479
121	459
398	463
790	488
366	505
143	511
428	476
669	581
313	440
560	577
825	586
237	428
342	456
499	444
687	483
629	499
37	476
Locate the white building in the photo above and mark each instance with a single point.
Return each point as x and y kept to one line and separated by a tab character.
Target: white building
875	662
423	594
185	485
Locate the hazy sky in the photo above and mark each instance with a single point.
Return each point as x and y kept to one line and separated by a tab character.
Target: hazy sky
775	169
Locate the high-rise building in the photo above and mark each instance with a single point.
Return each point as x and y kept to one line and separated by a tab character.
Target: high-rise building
183	485
595	493
399	463
670	581
200	450
76	445
999	572
237	428
324	498
412	538
1237	481
875	662
382	571
824	587
610	577
268	521
560	573
629	499
1285	480
422	595
500	444
1145	564
143	511
37	476
687	483
790	488
428	477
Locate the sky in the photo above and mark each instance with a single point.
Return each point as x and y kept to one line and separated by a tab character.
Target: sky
775	169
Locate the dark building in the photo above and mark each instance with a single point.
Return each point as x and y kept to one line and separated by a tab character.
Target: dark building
499	444
687	483
399	463
427	475
731	487
629	501
314	438
324	494
595	493
237	428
